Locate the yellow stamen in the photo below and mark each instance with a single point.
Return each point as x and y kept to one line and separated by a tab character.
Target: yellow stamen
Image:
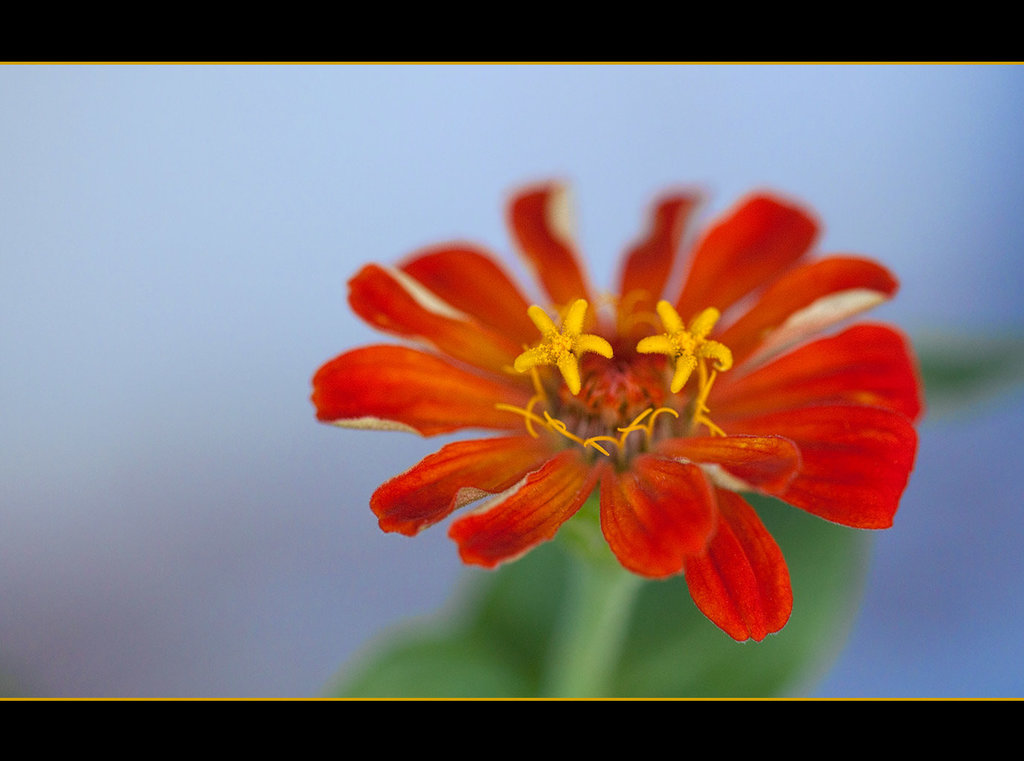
562	347
712	428
538	388
527	414
650	423
648	427
529	409
686	347
635	425
558	426
590	443
700	407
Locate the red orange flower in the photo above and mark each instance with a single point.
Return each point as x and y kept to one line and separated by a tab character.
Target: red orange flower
671	402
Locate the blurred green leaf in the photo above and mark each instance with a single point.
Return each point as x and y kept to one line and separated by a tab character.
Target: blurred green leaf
499	644
449	665
958	371
493	645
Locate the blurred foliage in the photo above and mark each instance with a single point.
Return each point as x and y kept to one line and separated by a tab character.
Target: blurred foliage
499	643
960	372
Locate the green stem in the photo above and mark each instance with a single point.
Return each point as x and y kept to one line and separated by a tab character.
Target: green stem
596	618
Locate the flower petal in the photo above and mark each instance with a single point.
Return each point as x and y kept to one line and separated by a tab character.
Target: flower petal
765	463
393	387
856	460
760	239
528	513
656	513
865	364
805	301
646	268
392	301
472	282
541	224
741	583
455	475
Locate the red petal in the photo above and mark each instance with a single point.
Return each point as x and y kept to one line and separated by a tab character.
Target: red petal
472	282
527	514
865	364
396	303
856	460
400	388
539	221
656	514
766	463
752	246
741	583
647	266
455	475
806	300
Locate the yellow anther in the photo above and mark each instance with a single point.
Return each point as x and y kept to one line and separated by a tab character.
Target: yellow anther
562	348
686	347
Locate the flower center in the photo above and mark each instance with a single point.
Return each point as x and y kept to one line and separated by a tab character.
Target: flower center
613	406
624	396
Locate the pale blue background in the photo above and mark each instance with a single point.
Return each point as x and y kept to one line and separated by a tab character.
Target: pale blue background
174	247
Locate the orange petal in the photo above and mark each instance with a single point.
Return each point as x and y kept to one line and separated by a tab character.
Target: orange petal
805	301
530	512
392	387
656	513
472	282
741	583
856	460
457	474
760	239
766	463
865	364
647	266
395	302
539	218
